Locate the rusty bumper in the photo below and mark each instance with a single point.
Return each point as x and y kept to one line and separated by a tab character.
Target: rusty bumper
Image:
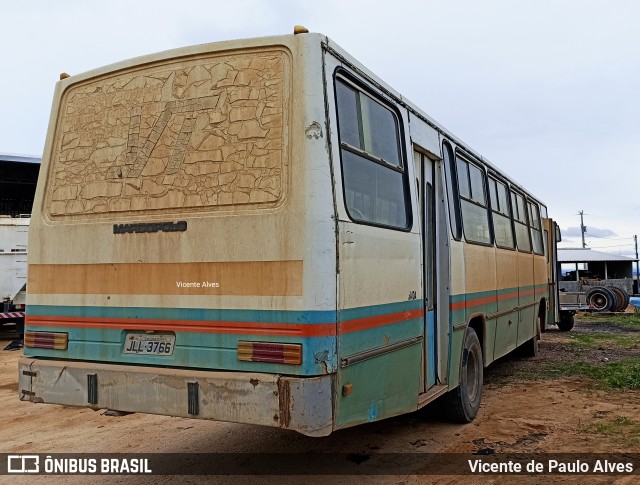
296	403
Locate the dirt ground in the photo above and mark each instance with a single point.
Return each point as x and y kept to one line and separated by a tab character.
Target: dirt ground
529	405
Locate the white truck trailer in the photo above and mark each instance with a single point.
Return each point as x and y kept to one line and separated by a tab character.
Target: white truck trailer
13	267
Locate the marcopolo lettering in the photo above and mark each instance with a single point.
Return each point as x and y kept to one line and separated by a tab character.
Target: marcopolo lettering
145	227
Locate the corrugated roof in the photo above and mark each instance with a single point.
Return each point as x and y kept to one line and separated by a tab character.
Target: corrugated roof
567	255
14	157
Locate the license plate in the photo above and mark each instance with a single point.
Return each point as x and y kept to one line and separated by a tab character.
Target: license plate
149	344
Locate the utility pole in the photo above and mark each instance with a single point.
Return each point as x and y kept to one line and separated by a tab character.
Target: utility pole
635	238
582	229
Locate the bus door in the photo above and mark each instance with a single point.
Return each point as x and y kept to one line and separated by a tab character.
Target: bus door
426	203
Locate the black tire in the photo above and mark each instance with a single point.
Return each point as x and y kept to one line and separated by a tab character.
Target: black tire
620	296
627	299
530	347
601	299
462	404
566	321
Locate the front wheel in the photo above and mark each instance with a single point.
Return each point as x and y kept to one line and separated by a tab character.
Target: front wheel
463	402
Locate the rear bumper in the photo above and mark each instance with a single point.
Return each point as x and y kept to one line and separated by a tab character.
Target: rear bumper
299	404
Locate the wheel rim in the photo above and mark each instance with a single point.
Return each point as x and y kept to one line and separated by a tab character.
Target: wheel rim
599	301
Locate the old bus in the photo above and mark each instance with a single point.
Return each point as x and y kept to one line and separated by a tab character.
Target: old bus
262	231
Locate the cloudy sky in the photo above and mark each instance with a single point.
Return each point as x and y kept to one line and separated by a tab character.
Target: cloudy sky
548	90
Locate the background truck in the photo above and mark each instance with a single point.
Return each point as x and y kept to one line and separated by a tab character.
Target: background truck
13	269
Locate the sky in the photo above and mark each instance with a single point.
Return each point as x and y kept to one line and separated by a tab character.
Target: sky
547	90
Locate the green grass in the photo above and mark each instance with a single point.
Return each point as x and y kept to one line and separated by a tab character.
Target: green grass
621	375
632	320
620	427
613	375
599	339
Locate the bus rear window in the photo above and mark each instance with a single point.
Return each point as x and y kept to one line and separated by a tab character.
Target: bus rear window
193	134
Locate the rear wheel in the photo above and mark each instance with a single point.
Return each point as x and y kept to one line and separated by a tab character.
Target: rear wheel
463	403
566	321
530	347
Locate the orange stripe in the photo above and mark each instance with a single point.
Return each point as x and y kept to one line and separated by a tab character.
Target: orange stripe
200	326
460	305
377	321
251	328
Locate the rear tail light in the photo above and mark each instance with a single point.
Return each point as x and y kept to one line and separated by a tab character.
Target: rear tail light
46	340
270	352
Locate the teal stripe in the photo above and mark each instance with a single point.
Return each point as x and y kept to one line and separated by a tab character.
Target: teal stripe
192	349
264	316
377	310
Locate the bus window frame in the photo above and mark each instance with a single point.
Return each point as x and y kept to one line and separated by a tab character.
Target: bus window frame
528	201
468	158
343	75
522	194
492	174
453	196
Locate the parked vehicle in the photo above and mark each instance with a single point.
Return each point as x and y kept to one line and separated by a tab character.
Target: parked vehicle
13	269
262	231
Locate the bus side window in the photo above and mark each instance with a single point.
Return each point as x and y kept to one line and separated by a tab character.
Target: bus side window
521	222
502	220
375	185
452	190
473	202
536	228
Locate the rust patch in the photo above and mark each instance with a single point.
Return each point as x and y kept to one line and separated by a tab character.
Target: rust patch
314	130
284	403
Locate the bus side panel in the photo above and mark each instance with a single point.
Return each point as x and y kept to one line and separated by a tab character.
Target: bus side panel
382	387
480	263
526	284
379	344
507	328
540	275
552	271
458	312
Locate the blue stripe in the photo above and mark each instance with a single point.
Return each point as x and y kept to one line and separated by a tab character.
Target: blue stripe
265	316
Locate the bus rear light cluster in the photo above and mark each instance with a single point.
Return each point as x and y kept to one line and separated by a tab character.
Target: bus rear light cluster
270	352
46	340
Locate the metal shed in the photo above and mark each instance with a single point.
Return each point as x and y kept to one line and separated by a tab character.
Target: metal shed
598	269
